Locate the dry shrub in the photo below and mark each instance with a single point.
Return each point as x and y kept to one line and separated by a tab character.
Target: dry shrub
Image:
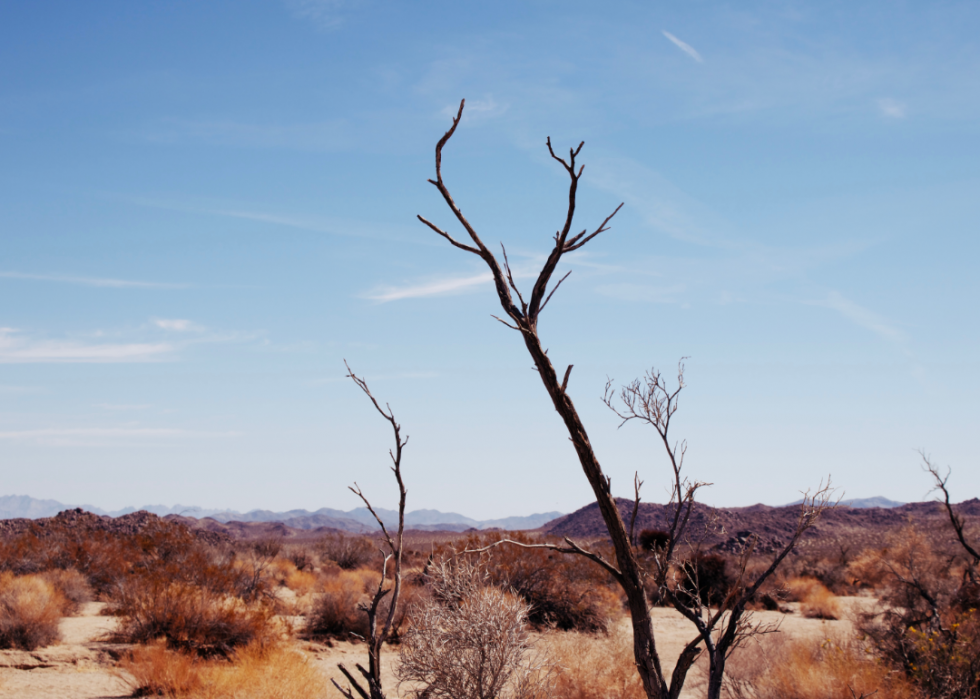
191	618
335	612
921	627
654	539
253	672
816	601
72	585
595	667
155	671
773	669
706	577
100	557
564	592
348	552
30	609
302	582
868	570
469	640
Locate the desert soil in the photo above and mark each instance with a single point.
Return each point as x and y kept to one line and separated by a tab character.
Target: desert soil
82	666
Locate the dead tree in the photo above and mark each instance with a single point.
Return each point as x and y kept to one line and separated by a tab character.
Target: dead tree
721	630
378	633
522	316
954	519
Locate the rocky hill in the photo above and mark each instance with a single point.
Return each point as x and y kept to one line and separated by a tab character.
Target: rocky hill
723	527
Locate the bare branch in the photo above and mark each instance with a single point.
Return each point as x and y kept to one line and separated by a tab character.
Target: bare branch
377	637
512	327
554	289
637	484
448	237
564	381
510	279
498	276
353	683
954	519
575	243
572	548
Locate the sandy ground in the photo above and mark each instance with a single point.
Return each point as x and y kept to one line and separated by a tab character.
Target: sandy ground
82	667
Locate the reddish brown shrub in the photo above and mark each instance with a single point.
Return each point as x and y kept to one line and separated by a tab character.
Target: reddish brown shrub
190	618
706	577
348	552
335	612
566	592
654	539
72	585
30	609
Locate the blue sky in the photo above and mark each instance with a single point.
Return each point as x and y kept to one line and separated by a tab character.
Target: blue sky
208	206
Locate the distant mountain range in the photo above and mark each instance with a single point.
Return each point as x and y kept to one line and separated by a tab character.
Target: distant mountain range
357	520
876	501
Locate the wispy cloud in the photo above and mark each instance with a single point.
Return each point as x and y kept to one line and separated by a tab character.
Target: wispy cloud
19	390
645	293
121	406
893	109
663	205
324	14
477	110
16	348
106	436
331	135
92	281
683	46
314	224
383	377
436	287
862	316
177	325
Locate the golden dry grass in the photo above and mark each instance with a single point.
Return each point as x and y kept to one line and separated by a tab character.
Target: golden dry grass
30	609
816	601
594	666
254	672
302	582
806	669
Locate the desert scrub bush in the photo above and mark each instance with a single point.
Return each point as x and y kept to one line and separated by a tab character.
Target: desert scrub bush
191	618
300	556
816	601
705	576
594	667
72	585
563	592
337	610
254	672
921	628
348	552
302	582
469	640
812	669
945	662
153	670
653	540
30	609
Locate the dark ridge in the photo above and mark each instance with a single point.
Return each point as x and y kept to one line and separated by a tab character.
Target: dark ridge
722	527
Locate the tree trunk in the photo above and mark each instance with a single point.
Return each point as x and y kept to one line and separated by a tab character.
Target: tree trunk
644	645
